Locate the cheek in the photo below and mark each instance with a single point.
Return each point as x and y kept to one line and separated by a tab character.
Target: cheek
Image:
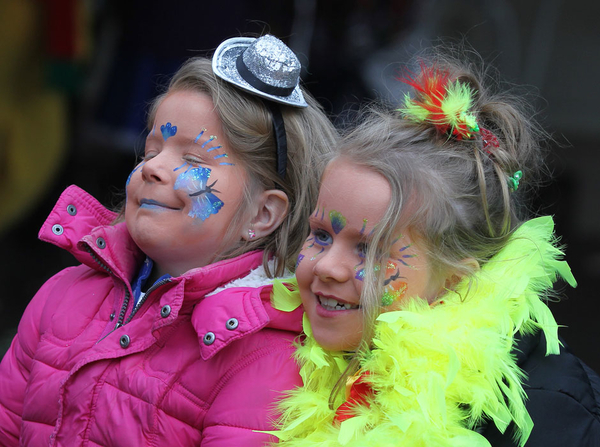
395	285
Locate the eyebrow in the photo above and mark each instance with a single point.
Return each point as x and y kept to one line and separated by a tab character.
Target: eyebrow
350	231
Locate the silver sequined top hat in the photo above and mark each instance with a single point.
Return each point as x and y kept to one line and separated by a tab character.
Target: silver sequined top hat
265	67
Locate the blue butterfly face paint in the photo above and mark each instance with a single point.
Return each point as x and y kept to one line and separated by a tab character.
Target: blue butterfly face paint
168	131
196	183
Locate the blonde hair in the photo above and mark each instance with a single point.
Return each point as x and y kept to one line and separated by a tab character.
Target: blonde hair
248	128
450	194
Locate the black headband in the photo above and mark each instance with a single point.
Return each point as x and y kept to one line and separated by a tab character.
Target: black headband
277	117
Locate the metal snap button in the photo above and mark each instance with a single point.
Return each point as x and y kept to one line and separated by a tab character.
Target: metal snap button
112	316
232	324
101	243
209	338
165	311
72	210
57	229
124	341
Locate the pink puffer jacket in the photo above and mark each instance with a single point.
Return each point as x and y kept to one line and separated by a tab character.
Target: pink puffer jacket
190	368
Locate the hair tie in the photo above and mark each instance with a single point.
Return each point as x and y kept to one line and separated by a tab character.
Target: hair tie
490	142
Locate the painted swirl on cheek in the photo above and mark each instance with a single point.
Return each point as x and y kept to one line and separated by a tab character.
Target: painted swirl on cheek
195	183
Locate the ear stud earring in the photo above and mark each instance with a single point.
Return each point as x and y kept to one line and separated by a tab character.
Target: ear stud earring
251	234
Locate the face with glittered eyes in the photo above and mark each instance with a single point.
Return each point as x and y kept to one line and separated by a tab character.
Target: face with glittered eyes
330	269
182	197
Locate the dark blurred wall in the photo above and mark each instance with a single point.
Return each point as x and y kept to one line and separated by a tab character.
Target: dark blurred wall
77	77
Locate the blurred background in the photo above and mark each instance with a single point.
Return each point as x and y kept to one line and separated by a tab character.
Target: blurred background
76	78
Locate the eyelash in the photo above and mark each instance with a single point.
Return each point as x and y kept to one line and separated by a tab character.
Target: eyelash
317	233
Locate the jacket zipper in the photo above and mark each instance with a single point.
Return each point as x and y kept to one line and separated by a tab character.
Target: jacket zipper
120	320
140	302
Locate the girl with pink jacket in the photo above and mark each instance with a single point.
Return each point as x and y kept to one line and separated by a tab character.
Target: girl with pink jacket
165	335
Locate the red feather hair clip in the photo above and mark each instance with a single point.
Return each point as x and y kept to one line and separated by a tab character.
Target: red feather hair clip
441	102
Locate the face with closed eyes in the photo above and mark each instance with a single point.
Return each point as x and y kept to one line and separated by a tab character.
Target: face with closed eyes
182	197
352	200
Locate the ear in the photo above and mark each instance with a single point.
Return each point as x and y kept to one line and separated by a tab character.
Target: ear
270	210
470	264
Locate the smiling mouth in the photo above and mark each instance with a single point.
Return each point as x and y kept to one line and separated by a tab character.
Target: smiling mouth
148	203
333	304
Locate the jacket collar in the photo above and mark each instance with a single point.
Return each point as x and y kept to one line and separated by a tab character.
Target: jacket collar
84	227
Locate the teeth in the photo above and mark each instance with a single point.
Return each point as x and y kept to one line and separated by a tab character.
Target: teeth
331	304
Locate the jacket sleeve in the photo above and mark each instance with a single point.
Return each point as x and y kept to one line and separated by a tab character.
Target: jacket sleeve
16	365
247	402
563	400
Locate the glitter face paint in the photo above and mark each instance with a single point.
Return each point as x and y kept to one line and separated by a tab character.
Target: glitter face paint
204	202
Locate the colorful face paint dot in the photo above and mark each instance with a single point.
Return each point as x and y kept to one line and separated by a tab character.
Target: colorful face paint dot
338	222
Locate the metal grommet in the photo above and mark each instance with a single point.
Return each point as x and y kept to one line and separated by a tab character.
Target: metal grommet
232	324
165	311
124	341
209	338
72	210
112	316
57	229
101	243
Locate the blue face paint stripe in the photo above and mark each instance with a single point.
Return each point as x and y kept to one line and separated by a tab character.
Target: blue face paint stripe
212	137
213	148
132	172
177	169
199	135
227	164
220	156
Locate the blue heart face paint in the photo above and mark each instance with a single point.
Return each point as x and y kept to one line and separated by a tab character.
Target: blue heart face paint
168	131
188	189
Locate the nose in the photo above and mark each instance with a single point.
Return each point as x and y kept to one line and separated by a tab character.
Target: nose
155	170
333	265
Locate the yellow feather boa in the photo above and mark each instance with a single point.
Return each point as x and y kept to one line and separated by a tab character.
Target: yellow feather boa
437	370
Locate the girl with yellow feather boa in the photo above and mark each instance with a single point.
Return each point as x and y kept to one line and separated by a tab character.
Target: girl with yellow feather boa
424	292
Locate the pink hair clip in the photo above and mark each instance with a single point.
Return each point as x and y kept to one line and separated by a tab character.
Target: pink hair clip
489	139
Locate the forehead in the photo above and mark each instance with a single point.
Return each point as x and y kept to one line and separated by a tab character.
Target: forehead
189	111
354	191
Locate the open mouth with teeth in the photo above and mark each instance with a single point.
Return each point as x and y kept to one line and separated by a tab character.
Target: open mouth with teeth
331	304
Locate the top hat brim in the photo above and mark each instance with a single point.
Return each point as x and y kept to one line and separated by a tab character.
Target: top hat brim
224	66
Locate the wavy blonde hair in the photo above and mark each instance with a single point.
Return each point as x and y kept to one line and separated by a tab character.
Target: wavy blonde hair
458	197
